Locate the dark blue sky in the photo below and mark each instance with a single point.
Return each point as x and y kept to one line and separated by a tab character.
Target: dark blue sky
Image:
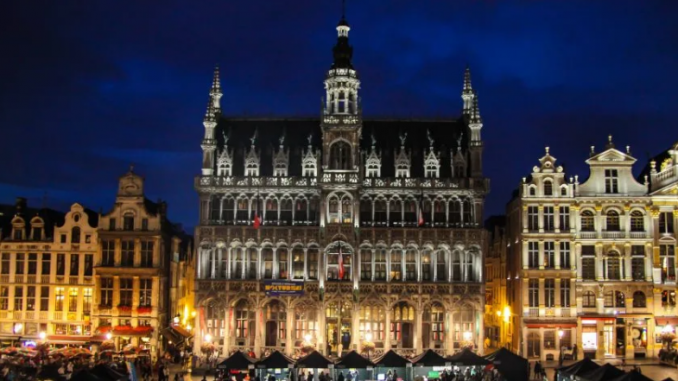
88	87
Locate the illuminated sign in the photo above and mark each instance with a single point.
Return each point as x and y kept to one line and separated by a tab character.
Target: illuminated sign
281	287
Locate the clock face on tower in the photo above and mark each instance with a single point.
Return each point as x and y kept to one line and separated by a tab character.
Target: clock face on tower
130	186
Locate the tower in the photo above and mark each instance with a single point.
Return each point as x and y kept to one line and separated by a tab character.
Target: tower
475	125
341	119
209	143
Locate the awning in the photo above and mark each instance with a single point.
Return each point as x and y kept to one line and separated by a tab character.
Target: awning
64	339
177	334
667	320
551	325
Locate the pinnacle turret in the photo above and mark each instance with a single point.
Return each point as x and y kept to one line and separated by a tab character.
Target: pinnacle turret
475	112
210	113
215	90
467	94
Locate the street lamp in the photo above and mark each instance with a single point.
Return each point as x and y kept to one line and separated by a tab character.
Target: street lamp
208	338
109	336
18	327
42	335
176	319
188	327
307	337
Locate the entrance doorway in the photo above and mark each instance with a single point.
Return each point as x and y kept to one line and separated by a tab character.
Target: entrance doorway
408	335
271	333
338	322
533	344
621	341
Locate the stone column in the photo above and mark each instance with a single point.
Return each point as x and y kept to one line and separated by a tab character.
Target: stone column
356	340
600	276
387	330
541	254
322	329
525	246
578	263
227	332
556	254
418	333
627	262
289	338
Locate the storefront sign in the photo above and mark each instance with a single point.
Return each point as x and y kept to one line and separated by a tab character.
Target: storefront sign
281	287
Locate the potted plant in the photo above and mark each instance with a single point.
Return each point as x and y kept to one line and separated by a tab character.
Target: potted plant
144	309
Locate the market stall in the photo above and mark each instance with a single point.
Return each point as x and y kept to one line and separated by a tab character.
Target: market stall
604	373
312	364
510	365
633	375
276	364
430	365
568	373
357	364
467	362
393	364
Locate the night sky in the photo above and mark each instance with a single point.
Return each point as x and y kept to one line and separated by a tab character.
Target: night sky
88	87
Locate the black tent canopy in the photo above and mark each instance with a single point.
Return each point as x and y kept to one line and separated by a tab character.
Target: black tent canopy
579	368
313	360
603	373
275	360
467	357
237	360
107	373
354	360
391	359
510	365
634	375
430	358
85	375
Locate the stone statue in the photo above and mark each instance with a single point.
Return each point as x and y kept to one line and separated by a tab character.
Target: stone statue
403	137
459	140
374	140
253	139
282	140
309	138
223	133
430	138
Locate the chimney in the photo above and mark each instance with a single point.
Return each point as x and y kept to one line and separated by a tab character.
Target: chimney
20	205
162	207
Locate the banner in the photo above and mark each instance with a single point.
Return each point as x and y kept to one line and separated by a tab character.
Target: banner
283	288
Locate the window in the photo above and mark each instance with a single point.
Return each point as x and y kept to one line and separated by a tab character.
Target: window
426	273
565	255
532	218
549	254
666	223
127	257
611	181
267	262
243	316
298	263
401	312
434	317
613	266
456	266
612	221
549	224
44	298
128	223
18	298
62	238
59	299
441	266
549	339
564	292
4	266
638	268
411	265
89	263
337	257
145	292
19	264
144	224
106	298
564	217
146	253
587	224
614	299
37	233
380	264
282	263
75	265
463	324
667	259
108	253
533	255
533	292
548	188
306	323
86	300
366	264
73	300
46	263
550	292
312	263
533	191
668	298
30	298
111	224
126	288
75	235
589	299
61	265
4	298
32	264
372	320
639	300
340	155
396	264
637	222
588	265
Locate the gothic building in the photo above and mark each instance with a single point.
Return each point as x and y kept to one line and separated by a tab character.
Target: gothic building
341	231
593	263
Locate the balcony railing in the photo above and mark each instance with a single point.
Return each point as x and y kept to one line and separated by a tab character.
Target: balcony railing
613	234
588	235
58	315
638	234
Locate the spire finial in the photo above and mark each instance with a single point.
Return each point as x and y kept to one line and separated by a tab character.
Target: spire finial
547	149
475	112
430	138
253	139
131	168
343	9
210	112
467	79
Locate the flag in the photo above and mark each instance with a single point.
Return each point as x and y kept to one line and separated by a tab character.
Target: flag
420	218
257	219
341	265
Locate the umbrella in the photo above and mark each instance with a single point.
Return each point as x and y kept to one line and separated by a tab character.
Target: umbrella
604	373
429	358
237	360
467	357
353	360
50	372
275	360
391	359
314	360
510	365
9	350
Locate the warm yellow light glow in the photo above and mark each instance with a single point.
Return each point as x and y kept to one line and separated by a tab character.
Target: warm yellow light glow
188	327
193	313
43	335
561	333
667	329
498	313
208	338
467	336
18	327
307	337
109	336
507	314
368	336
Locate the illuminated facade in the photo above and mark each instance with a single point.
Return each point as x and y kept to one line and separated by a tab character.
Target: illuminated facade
498	322
382	229
46	275
592	264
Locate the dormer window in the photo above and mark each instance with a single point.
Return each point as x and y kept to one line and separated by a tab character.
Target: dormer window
75	235
372	171
431	171
224	169
403	171
18	234
252	169
309	170
111	224
611	181
280	170
548	188
533	191
563	191
37	233
128	223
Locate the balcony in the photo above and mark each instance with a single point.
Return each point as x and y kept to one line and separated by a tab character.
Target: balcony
18	315
637	235
617	234
4	279
43	315
57	315
30	279
73	280
588	235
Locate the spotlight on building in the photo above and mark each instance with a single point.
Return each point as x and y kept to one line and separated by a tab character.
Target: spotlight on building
18	327
468	335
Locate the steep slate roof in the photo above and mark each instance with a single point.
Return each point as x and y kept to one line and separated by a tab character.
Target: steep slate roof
445	133
51	218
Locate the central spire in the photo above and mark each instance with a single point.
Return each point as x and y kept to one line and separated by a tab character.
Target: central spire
343	52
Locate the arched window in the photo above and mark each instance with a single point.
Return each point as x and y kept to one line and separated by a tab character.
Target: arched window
589	299
380	212
340	155
637	221
410	207
402	325
366	212
373	322
282	263
456	266
267	262
463	327
380	263
433	329
639	300
215	317
237	265
298	263
301	211
128	222
455	212
252	259
467	265
563	190
396	264
587	221
613	266
229	210
286	206
612	220
441	266
548	188
439	212
275	320
411	265
339	257
244	323
533	191
305	323
216	209
75	235
468	212
346	210
395	212
426	270
366	264
333	208
271	213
